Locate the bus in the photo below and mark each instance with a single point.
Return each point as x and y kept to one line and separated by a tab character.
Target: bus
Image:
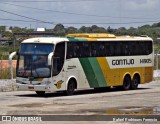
84	61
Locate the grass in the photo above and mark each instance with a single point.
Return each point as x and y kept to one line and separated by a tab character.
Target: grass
5	73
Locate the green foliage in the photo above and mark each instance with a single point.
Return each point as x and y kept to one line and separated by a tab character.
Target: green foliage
59	30
5	51
8	34
2	28
152	31
71	30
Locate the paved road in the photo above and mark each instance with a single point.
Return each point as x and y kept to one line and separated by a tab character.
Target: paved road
145	100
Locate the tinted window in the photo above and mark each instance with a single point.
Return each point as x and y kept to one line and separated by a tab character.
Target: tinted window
108	48
36	48
58	58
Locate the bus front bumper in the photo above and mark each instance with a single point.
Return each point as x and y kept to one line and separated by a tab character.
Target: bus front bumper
30	87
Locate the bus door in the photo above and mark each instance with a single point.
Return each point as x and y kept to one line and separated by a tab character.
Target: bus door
57	65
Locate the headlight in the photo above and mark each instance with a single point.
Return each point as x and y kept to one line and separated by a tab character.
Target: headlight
47	82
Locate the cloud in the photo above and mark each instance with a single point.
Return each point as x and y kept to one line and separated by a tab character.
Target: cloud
141	4
108	8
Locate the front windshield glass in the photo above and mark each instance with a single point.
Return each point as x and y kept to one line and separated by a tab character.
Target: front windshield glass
35	48
33	60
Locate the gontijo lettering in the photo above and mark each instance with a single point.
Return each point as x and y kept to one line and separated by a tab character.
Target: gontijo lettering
123	62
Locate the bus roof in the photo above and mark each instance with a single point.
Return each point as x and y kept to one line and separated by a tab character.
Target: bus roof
87	36
92	35
50	40
105	36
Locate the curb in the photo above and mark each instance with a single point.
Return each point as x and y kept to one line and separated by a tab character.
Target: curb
7	85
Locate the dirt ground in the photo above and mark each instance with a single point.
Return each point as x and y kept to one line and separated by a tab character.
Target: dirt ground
144	101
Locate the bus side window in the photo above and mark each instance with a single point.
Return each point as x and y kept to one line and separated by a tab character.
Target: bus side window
72	50
93	49
76	51
117	49
112	49
149	48
101	49
86	49
70	53
133	48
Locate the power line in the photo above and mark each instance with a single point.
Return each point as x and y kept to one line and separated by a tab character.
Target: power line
16	20
104	16
54	23
37	20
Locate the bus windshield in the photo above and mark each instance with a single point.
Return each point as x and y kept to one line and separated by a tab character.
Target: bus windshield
33	60
33	48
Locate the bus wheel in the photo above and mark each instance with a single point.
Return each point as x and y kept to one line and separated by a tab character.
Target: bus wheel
70	88
126	83
40	93
135	82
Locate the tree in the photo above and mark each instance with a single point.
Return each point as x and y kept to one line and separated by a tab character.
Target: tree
121	31
96	29
84	29
8	34
59	30
2	28
71	30
156	24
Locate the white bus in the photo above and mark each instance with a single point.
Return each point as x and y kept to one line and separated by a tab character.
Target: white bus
83	61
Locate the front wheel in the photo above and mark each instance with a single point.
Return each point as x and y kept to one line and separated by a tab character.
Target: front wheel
70	88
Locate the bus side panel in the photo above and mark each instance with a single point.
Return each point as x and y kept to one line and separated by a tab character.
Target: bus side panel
93	72
111	75
147	73
74	68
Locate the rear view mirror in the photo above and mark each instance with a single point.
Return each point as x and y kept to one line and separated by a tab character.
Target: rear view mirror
10	63
50	59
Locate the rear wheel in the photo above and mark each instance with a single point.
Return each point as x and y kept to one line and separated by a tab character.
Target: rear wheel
126	83
135	82
40	93
70	88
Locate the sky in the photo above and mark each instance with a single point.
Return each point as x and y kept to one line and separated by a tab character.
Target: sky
77	13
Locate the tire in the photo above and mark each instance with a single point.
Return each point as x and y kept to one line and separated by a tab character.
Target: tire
126	83
70	88
135	82
40	93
